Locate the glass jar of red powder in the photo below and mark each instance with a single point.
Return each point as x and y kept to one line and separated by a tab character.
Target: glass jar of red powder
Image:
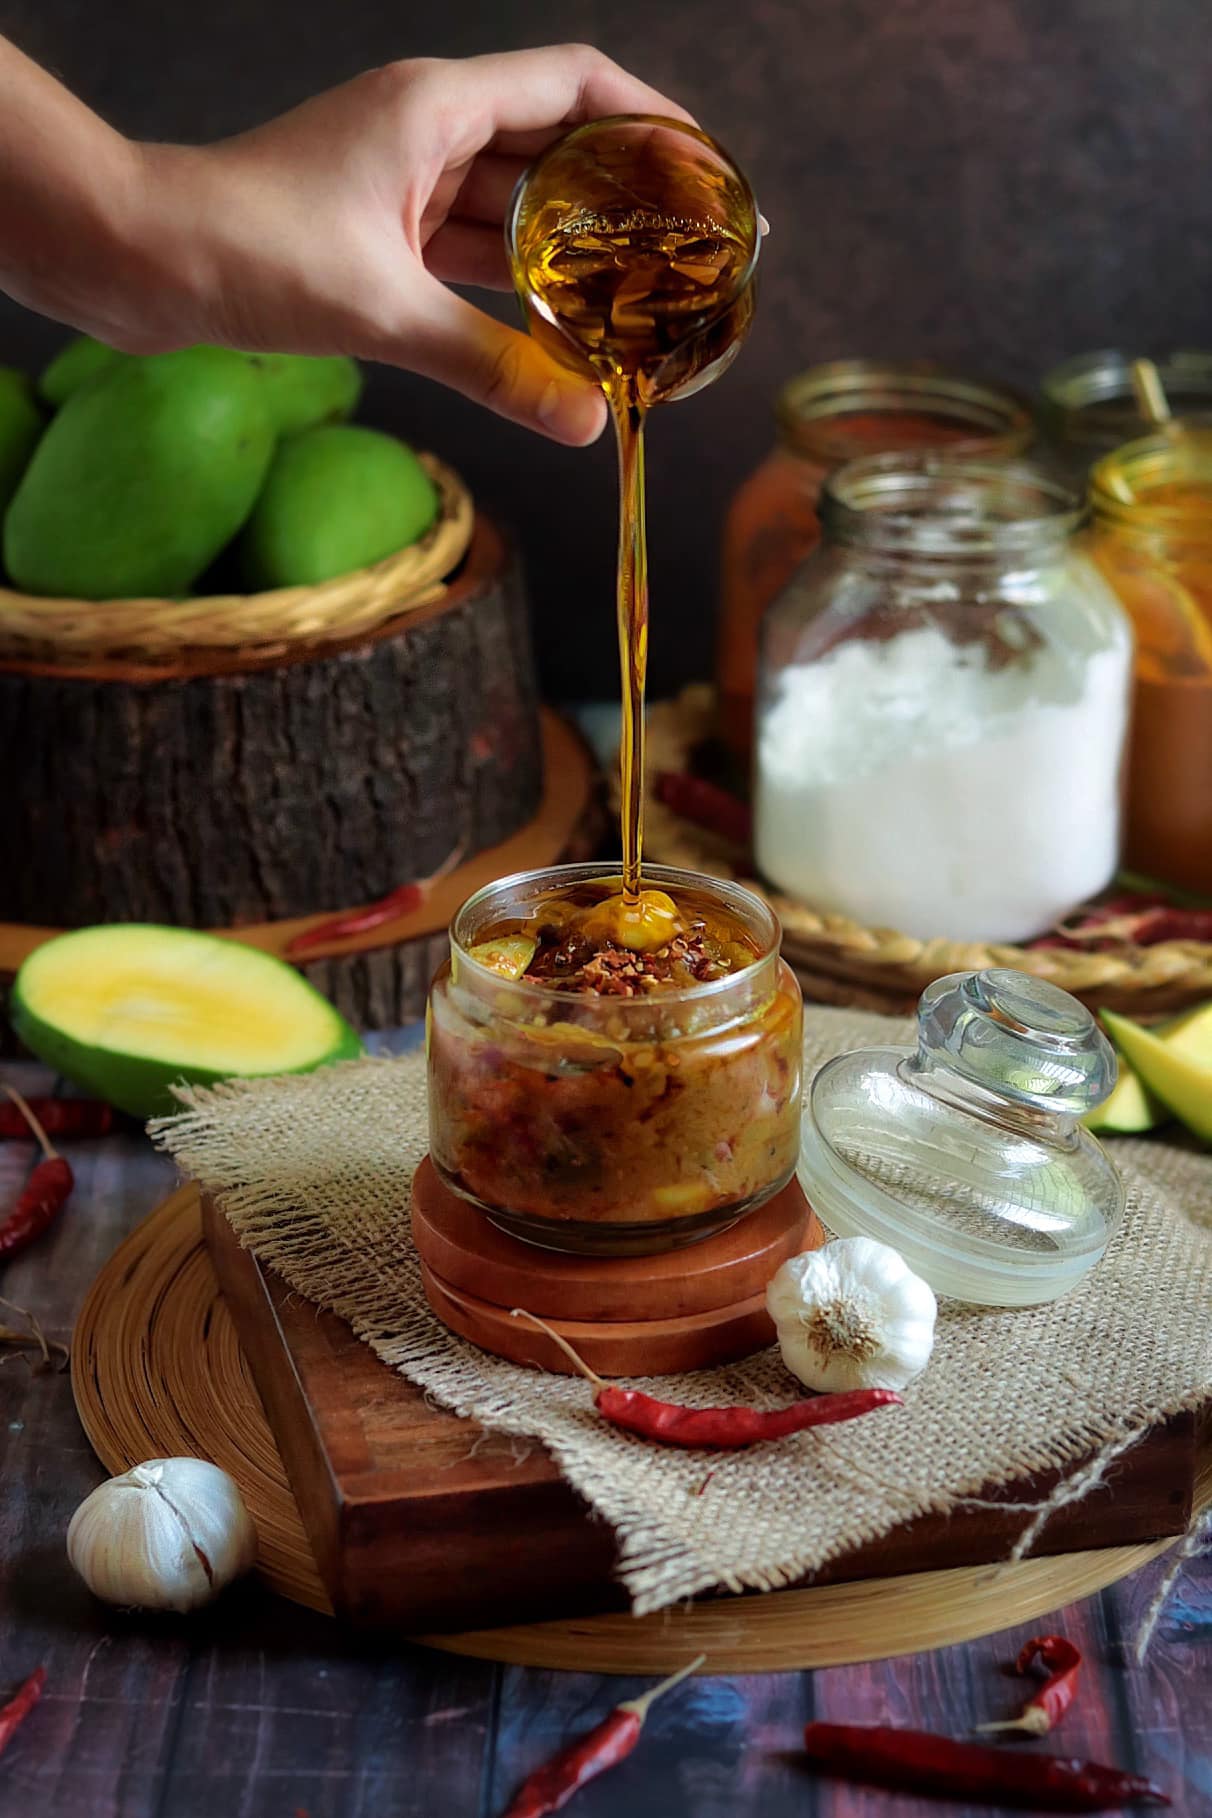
829	415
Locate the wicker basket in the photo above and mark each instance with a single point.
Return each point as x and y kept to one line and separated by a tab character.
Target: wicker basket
257	625
840	961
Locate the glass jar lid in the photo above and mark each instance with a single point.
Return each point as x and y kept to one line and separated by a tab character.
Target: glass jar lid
966	1154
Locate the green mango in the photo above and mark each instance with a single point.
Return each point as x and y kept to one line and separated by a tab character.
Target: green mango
1128	1111
302	392
21	424
141	478
128	1010
1175	1066
78	361
335	499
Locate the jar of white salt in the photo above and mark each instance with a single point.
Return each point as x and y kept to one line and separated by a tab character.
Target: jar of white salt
943	705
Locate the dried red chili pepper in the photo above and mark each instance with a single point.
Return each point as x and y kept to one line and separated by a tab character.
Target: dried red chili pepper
362	921
721	1429
19	1706
917	1761
59	1117
609	1742
1133	919
1173	925
706	804
1058	1691
44	1193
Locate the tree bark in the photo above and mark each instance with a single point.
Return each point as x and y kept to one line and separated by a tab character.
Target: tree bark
220	795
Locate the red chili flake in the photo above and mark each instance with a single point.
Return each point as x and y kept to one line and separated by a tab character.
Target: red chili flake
1062	1659
551	1786
45	1191
917	1761
389	908
19	1706
721	1429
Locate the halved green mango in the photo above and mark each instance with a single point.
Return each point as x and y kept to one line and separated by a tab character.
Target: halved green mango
1176	1066
1129	1110
129	1010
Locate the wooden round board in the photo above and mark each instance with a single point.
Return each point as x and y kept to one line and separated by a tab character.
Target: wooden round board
157	1370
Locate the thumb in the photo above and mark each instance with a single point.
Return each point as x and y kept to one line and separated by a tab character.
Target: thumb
450	340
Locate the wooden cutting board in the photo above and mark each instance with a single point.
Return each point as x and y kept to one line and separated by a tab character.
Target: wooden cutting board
418	1524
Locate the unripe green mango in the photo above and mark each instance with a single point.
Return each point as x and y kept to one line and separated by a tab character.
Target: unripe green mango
142	477
335	499
21	424
303	392
78	361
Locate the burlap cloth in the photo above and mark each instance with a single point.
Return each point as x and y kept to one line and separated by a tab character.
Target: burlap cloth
314	1173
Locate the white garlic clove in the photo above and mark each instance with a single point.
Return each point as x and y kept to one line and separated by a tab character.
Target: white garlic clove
167	1535
852	1316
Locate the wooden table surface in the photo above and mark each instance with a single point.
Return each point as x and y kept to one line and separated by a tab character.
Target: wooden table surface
258	1709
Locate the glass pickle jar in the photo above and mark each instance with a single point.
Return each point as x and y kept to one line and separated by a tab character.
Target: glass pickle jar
1152	503
944	704
827	416
614	1125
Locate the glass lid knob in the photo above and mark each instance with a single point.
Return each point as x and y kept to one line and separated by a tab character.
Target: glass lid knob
1018	1037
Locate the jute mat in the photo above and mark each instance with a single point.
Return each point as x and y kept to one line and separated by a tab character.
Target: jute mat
314	1174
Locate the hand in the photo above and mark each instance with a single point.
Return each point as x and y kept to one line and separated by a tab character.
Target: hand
337	227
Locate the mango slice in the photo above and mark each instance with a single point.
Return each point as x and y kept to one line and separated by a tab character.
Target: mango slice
509	955
1175	1067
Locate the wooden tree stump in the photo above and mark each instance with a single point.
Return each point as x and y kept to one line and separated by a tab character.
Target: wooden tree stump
221	796
226	794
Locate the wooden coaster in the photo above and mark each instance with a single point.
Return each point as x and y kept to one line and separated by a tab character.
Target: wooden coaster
469	1253
157	1372
614	1347
625	1316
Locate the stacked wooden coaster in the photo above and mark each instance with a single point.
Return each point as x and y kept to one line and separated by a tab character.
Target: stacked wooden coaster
627	1316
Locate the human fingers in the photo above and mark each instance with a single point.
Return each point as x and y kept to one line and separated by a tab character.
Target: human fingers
457	344
487	189
532	91
467	252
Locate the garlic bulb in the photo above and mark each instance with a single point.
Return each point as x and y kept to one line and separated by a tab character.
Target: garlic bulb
166	1536
852	1316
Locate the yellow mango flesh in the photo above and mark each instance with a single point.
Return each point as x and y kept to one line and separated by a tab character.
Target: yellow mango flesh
1176	1068
1128	1111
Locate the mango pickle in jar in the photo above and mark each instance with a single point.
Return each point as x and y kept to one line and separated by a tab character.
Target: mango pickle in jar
608	1081
1152	538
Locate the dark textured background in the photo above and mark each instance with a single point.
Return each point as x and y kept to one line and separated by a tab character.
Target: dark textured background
995	182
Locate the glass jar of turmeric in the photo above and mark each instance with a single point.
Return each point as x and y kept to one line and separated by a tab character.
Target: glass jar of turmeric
829	415
1152	506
